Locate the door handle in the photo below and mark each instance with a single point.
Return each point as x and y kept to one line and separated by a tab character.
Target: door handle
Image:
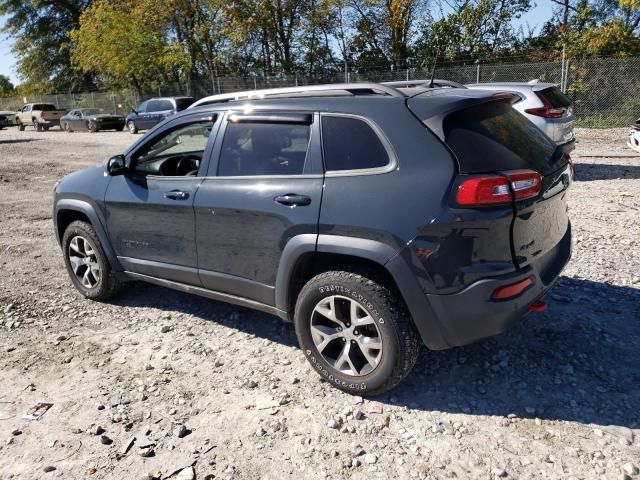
293	199
176	195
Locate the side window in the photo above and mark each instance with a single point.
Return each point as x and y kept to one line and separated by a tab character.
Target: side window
177	152
153	106
351	144
142	108
164	105
264	149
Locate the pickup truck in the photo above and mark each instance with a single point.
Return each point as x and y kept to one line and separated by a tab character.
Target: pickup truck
41	115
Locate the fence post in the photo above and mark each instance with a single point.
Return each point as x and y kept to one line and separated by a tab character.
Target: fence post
478	71
115	108
93	101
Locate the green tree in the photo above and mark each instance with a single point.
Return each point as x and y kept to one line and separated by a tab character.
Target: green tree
127	43
6	87
40	32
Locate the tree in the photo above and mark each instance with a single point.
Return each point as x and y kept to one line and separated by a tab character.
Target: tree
475	29
40	30
6	87
126	43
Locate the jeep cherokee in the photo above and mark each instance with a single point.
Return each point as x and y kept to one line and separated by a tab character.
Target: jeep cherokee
375	218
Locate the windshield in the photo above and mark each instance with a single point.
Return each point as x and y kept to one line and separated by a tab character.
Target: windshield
91	111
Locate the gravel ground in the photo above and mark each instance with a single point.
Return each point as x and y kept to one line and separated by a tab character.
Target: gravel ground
210	390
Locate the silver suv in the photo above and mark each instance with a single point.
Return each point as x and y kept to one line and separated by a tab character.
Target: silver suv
542	103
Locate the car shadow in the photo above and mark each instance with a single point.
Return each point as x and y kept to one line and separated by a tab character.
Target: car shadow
585	172
578	361
20	140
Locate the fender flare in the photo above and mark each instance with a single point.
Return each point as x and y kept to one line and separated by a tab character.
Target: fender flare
384	255
89	210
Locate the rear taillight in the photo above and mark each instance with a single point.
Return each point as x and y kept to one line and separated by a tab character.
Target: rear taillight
511	291
498	189
546	111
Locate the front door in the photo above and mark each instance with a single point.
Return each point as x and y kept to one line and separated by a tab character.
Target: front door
264	188
150	215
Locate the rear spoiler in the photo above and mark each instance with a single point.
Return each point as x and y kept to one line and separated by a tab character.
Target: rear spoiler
432	109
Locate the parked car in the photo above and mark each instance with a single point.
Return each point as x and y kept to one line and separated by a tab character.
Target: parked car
91	120
634	136
148	114
41	115
544	104
7	119
373	219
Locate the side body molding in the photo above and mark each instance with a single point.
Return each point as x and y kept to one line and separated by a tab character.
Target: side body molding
89	210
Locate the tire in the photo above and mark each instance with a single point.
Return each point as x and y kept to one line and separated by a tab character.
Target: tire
20	126
131	126
386	323
101	283
66	127
92	127
37	125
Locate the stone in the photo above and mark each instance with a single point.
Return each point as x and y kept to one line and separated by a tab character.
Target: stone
375	408
146	452
358	414
370	458
260	432
499	472
16	432
105	440
182	431
630	469
97	430
333	423
116	399
166	329
49	468
127	445
186	474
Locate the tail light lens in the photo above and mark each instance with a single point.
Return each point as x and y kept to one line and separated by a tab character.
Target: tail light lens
546	111
498	189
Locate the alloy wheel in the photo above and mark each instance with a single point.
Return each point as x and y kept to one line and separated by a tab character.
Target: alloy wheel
84	262
346	335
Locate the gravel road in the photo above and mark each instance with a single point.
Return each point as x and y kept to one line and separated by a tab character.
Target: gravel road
159	384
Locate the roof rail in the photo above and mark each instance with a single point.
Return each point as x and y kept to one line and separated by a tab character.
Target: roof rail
423	83
309	90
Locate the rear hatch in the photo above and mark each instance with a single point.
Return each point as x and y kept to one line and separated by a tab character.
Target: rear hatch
558	110
490	139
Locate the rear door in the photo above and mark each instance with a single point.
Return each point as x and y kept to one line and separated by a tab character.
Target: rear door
493	137
264	187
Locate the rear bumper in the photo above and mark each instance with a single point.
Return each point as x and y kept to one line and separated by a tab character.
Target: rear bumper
457	319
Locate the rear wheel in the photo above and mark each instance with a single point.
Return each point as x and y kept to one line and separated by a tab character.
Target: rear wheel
131	126
92	127
37	125
355	332
86	262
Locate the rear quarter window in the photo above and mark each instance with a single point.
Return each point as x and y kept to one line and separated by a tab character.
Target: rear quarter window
183	103
556	98
351	144
493	136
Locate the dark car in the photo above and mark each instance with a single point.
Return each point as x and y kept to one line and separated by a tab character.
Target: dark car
374	218
148	114
90	120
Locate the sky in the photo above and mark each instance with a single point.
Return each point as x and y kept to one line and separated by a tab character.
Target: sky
535	18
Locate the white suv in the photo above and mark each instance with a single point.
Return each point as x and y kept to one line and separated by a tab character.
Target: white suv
542	103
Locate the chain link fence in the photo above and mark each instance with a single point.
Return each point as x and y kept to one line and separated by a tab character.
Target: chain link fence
605	91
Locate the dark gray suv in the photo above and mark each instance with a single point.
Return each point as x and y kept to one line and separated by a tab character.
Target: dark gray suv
375	218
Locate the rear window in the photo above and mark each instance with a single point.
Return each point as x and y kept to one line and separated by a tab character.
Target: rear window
159	105
493	136
556	98
351	144
183	103
44	107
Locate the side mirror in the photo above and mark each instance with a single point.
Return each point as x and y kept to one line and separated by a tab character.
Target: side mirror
134	111
117	165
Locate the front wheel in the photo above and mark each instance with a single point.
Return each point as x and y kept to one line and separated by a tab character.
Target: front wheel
355	332
131	126
87	263
36	125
